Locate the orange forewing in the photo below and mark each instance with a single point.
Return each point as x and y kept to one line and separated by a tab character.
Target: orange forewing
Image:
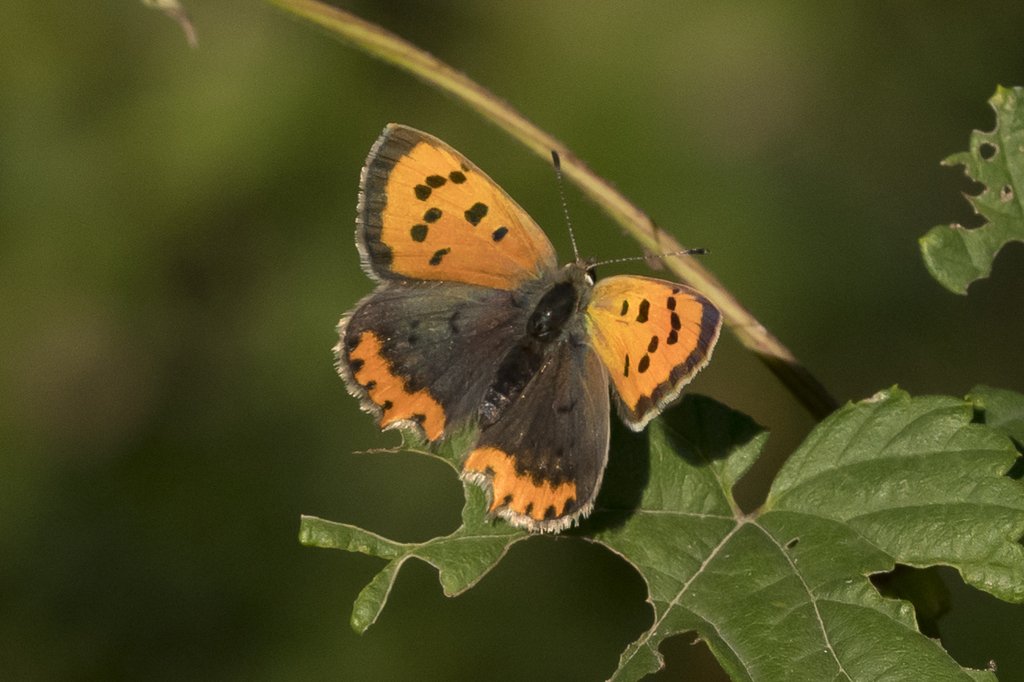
652	336
446	220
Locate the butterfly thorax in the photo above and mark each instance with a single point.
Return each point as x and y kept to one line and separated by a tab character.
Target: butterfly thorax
554	318
566	296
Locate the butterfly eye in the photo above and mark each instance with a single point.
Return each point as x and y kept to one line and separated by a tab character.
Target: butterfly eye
592	274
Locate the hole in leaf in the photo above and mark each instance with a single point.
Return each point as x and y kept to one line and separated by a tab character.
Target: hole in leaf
792	543
690	655
987	150
922	587
1006	193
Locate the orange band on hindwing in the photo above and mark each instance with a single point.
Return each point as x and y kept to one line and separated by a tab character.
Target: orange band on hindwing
390	391
518	492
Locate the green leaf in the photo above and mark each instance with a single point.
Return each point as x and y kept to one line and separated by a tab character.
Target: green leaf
892	479
956	256
784	593
461	558
1002	410
919	481
923	588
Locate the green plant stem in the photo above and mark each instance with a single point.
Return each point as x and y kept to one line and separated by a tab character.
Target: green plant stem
393	49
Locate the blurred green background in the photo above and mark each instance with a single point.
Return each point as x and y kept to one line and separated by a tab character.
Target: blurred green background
176	246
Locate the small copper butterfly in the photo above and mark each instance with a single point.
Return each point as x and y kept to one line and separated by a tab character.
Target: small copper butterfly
473	320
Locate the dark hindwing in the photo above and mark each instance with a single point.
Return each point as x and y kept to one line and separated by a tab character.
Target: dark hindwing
424	353
543	459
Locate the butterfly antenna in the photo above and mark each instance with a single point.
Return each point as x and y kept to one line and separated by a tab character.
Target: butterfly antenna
557	161
628	259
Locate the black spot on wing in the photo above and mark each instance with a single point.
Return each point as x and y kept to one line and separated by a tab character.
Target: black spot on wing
422	192
436	181
458	177
653	345
645	308
499	234
432	215
476	213
439	255
644	363
419	232
625	307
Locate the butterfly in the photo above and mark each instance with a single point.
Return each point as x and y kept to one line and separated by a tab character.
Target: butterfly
473	320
